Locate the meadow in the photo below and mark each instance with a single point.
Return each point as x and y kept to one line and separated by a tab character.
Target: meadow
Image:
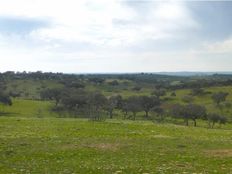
34	139
65	145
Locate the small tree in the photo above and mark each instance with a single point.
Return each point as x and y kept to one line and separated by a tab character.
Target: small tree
197	92
190	111
179	111
195	112
133	105
5	99
215	118
219	97
113	102
187	99
159	112
222	120
147	103
159	92
96	103
173	94
52	94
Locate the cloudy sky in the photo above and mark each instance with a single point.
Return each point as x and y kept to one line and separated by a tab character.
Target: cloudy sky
115	36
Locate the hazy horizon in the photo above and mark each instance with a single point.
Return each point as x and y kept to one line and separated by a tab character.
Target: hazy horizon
116	36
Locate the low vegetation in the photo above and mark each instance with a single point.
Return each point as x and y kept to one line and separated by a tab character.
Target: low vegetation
109	123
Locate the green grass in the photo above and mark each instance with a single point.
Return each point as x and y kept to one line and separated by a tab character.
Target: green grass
30	88
53	145
28	108
207	101
34	140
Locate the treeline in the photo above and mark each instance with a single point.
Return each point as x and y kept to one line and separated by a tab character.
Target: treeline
155	80
5	98
96	106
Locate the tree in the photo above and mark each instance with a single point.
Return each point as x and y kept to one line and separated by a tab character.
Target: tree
222	120
96	80
113	83
5	99
52	94
74	84
113	102
124	108
147	103
187	99
179	111
133	105
96	103
197	92
173	94
75	100
215	118
195	112
190	111
159	112
159	92
219	97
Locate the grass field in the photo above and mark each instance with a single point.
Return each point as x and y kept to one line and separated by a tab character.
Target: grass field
34	140
56	145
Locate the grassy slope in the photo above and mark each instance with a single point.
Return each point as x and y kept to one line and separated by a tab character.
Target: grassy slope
207	101
30	88
52	145
28	108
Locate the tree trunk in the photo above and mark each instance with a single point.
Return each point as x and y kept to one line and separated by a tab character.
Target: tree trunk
213	124
146	114
195	123
56	103
111	114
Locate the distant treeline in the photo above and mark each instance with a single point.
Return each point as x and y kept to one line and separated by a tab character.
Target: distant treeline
158	81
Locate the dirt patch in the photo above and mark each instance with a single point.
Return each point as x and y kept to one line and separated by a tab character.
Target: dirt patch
97	146
219	152
69	146
105	146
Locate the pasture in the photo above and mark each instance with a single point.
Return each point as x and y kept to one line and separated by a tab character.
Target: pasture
65	145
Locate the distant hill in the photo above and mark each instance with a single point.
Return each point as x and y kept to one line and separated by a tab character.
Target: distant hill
189	73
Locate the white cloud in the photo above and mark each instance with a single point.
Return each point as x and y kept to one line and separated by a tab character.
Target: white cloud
106	25
224	46
93	21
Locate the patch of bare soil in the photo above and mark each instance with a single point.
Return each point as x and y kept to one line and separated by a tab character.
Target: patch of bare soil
219	152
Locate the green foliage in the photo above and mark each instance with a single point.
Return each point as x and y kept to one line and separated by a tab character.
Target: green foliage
147	103
187	99
5	99
33	140
219	97
216	118
159	92
190	111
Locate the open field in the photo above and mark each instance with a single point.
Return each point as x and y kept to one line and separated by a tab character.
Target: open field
36	138
115	87
53	145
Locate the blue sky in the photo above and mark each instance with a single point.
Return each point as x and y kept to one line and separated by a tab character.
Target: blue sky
115	36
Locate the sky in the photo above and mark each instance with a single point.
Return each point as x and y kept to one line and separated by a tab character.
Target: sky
115	36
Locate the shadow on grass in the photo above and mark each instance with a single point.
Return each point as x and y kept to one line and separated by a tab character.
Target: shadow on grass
7	114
